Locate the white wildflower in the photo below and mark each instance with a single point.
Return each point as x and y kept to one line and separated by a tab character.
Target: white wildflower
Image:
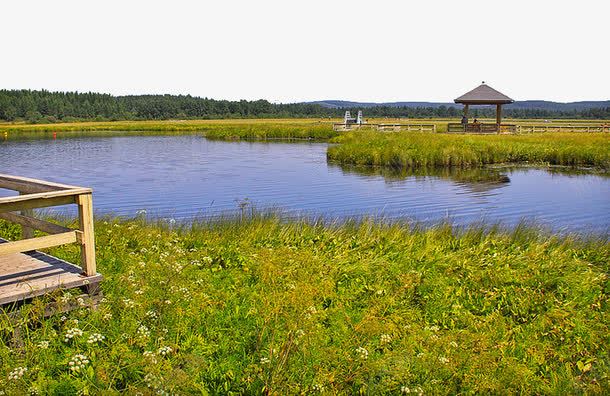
164	350
107	316
265	360
385	339
71	333
95	338
362	353
143	331
66	297
129	303
17	373
318	388
81	301
43	344
443	360
150	355
152	314
78	362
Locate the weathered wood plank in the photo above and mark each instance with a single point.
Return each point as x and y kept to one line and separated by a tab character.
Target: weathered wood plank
26	245
29	185
85	211
34	223
33	203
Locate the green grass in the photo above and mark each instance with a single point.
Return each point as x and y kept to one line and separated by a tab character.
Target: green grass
425	150
213	129
264	306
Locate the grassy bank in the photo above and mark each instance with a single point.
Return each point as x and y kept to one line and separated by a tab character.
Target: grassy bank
421	150
214	129
287	308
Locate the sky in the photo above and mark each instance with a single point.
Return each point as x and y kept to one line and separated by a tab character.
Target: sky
293	51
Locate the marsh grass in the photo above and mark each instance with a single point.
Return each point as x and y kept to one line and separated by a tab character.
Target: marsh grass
425	150
269	306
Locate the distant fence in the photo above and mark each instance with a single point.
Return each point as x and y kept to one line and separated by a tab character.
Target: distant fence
562	128
481	128
387	127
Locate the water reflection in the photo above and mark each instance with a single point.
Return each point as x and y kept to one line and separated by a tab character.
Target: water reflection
477	180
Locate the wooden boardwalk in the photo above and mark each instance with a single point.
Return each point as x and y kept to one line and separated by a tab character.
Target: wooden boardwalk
25	272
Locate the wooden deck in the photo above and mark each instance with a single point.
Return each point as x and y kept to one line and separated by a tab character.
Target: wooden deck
26	272
32	274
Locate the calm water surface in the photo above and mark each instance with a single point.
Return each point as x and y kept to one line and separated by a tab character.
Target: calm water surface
184	176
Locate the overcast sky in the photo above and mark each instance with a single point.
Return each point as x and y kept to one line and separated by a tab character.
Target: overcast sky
289	51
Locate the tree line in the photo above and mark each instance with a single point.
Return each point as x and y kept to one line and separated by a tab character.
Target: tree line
43	106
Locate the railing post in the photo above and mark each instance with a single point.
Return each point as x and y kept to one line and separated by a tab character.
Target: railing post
27	232
85	217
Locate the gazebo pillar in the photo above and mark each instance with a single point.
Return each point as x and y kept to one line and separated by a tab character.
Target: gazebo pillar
466	110
498	116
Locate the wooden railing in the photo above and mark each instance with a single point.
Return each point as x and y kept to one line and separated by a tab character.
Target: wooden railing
387	127
562	128
40	194
481	128
407	127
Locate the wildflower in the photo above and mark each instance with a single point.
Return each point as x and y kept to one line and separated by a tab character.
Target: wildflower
206	260
129	303
63	318
152	314
319	388
107	316
142	264
95	338
443	360
71	333
81	301
265	360
385	339
168	302
17	373
78	362
150	355
143	331
66	297
362	352
139	292
165	350
406	390
43	344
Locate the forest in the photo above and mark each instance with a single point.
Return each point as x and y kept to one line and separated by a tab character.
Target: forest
41	106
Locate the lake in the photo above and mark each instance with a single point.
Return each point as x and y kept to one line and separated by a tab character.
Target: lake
185	176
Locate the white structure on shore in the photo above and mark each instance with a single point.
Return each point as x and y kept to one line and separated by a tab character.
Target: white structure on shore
348	120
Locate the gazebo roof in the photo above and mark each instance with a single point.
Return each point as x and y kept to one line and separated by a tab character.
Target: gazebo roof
484	94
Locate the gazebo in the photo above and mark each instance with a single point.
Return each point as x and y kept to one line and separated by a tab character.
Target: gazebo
483	95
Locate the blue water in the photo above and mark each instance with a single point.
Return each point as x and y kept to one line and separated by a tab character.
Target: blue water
185	176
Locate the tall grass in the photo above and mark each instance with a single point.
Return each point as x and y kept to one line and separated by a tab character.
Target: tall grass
214	129
421	150
264	306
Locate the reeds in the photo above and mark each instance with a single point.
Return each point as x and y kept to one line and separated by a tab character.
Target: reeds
425	150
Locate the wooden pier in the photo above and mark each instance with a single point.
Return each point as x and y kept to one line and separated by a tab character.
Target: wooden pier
24	271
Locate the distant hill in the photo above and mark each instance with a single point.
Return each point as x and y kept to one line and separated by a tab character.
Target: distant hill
518	105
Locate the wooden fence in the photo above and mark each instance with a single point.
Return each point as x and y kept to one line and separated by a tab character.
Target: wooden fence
386	127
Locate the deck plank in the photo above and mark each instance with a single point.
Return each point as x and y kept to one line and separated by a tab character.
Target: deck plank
31	274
